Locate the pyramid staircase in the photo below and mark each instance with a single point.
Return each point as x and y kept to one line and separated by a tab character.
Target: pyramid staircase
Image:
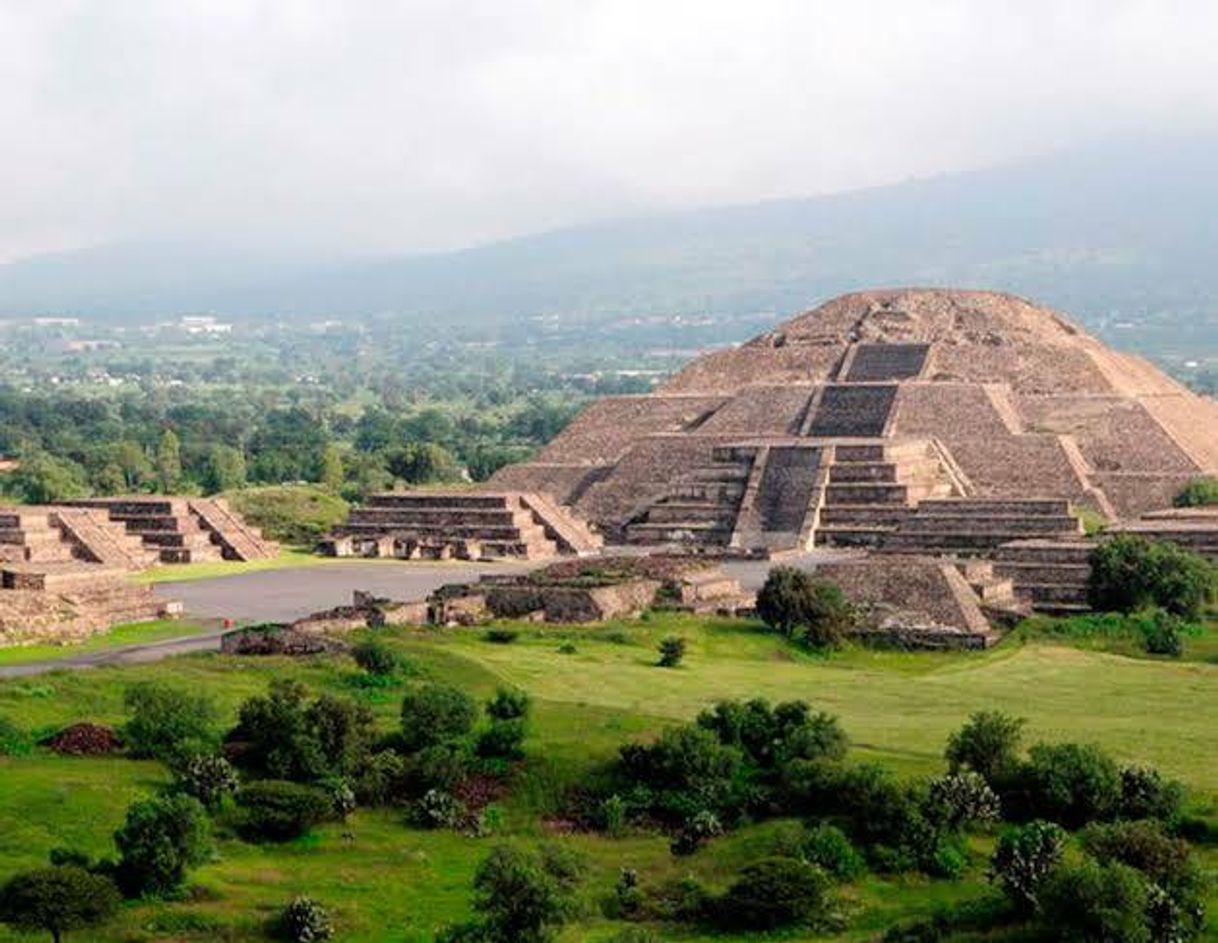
701	509
969	527
1049	574
463	524
873	488
164	526
237	539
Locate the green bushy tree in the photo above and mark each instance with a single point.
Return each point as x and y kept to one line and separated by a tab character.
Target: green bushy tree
168	723
57	900
434	713
160	840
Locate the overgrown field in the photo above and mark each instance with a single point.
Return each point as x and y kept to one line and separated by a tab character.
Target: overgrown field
592	690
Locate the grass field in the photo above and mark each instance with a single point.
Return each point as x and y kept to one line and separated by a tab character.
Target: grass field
394	883
134	633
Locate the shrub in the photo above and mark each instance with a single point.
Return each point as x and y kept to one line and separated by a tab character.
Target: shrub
1068	783
701	828
304	920
959	800
775	736
803	609
502	739
13	740
278	810
1200	492
613	815
567	648
773	893
375	657
1145	794
1162	635
284	737
1130	572
56	900
159	841
522	896
1024	858
209	778
433	713
1096	903
635	935
168	723
672	650
439	809
828	847
687	770
682	900
501	636
988	745
341	796
508	704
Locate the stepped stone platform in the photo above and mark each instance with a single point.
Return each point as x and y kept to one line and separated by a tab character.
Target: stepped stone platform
63	576
461	524
174	530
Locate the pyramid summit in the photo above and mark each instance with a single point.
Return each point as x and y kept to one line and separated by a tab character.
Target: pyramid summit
924	420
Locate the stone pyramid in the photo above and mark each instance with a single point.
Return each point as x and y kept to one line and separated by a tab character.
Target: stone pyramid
912	420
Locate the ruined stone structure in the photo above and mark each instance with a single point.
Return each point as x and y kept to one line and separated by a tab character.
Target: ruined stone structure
464	525
63	576
905	420
180	530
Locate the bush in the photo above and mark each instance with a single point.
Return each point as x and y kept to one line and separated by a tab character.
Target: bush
375	657
304	920
803	609
959	800
988	745
284	737
439	809
1068	783
168	723
501	636
701	828
775	736
13	740
209	778
1023	860
433	713
1163	635
687	770
278	810
773	893
828	847
1145	794
1129	573
612	816
56	900
502	739
508	705
1096	903
291	514
521	897
1200	492
672	650
159	841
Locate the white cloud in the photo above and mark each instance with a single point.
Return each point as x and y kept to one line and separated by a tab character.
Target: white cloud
427	123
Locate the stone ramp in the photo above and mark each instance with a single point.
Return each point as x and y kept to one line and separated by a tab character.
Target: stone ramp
853	411
237	540
100	540
570	533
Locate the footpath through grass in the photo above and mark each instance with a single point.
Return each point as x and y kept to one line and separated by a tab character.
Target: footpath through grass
391	882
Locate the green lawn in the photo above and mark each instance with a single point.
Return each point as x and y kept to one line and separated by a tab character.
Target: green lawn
394	883
185	572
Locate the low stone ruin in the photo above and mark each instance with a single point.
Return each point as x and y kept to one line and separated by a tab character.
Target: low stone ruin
275	638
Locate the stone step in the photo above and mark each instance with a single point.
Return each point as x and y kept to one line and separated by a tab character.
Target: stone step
434	516
1016	526
879	514
844	536
966	543
993	590
867	493
667	512
678	532
884	471
880	451
1036	572
1054	593
476	531
1045	551
446	499
1027	507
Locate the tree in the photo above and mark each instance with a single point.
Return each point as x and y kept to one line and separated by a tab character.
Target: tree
422	462
375	657
160	840
209	778
1068	783
132	461
988	745
304	920
1129	572
803	609
434	713
773	893
1024	858
508	704
169	462
1097	903
225	469
278	810
45	479
167	723
331	468
523	896
57	900
672	650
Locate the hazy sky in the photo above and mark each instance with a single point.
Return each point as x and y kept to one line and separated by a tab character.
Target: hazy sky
417	124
